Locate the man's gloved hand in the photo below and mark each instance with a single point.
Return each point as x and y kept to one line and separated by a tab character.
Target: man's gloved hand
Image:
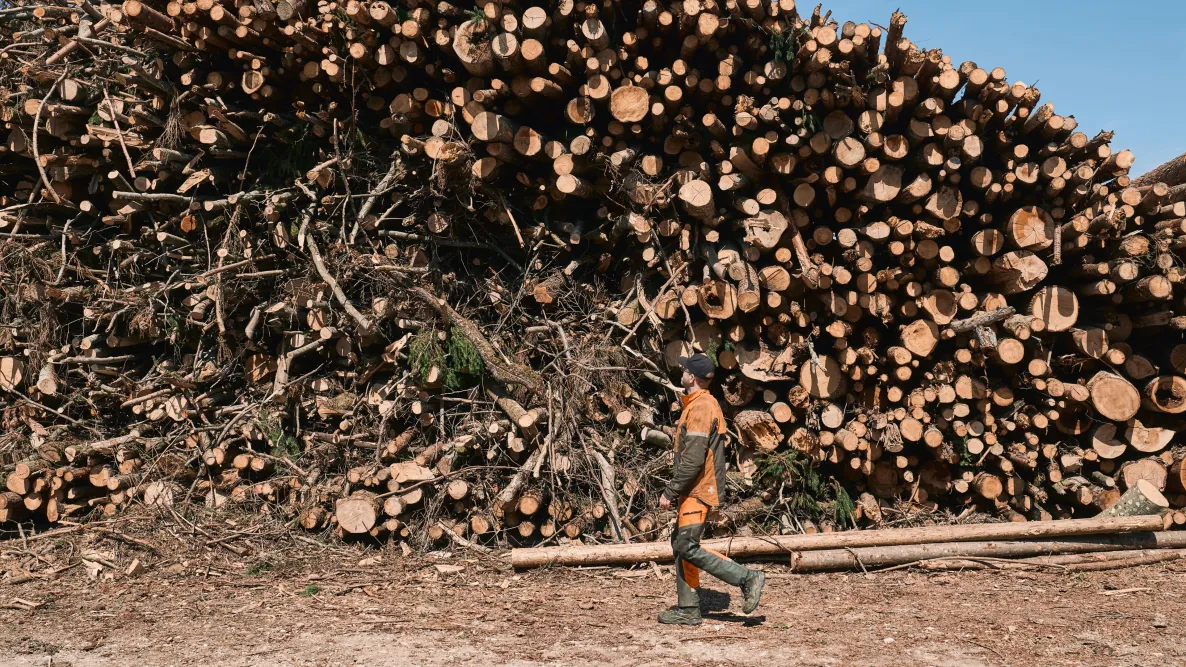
664	503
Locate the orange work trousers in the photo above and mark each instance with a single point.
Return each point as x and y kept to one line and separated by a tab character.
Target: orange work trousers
693	515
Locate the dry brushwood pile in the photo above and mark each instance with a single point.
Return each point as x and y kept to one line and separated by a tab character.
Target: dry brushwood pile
421	271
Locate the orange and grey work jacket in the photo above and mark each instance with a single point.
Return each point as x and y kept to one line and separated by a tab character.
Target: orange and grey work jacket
700	459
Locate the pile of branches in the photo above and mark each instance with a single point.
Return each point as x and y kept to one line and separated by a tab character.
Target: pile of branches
421	271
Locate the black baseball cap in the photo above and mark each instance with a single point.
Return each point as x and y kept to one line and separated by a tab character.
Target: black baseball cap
699	365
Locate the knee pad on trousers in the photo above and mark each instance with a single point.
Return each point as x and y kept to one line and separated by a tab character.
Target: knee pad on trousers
685	540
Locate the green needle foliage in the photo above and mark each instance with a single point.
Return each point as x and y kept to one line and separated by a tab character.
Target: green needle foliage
782	46
809	493
967	459
477	16
283	444
260	568
715	347
458	360
711	349
301	154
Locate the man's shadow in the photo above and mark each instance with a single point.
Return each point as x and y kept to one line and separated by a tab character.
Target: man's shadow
715	605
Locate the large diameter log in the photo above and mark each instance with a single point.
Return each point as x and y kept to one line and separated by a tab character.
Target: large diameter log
11	506
357	514
1177	476
1105	443
758	362
572	185
1114	397
489	126
758	430
1030	228
920	337
1178	357
507	52
884	185
1056	306
940	305
765	230
1147	439
580	110
988	242
1017	271
824	380
12	372
718	299
988	486
629	104
774	278
475	55
1141	499
1166	393
874	557
785	544
1151	471
1090	342
696	196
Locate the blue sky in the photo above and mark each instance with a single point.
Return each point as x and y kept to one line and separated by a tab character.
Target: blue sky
1117	66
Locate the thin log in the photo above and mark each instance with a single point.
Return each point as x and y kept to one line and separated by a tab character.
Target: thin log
787	544
364	324
877	557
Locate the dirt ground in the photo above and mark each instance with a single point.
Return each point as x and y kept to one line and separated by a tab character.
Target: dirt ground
309	604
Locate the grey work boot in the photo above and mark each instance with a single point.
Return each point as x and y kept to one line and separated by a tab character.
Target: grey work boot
752	589
680	616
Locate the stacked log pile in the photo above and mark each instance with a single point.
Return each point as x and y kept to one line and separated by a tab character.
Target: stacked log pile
1172	173
417	270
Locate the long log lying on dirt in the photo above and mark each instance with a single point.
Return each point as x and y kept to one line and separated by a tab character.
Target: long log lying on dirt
1078	562
743	547
874	557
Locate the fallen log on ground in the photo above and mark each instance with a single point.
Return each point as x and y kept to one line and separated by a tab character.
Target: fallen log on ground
867	558
1094	560
750	547
1137	559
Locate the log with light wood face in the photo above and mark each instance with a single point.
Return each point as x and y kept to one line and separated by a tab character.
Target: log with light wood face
910	271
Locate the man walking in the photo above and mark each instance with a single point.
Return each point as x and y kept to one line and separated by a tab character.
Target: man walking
700	462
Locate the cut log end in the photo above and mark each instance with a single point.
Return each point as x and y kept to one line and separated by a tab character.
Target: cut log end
629	104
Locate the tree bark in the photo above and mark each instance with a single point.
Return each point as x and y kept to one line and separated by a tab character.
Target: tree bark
1171	173
876	557
786	544
1141	499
